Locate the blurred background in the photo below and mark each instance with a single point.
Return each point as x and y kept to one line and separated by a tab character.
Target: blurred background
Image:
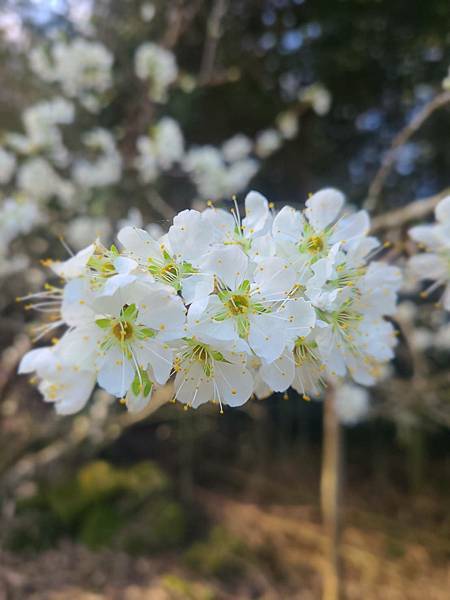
127	111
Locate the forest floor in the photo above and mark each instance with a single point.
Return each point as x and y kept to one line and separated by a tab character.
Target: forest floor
282	559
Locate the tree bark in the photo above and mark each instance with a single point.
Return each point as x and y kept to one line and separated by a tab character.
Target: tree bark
330	490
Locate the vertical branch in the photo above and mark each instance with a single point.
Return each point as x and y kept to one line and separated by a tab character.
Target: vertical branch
330	490
212	40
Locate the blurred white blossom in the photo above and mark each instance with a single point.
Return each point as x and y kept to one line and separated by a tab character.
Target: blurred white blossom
7	165
237	148
37	179
105	166
82	230
318	97
267	142
352	404
148	11
158	67
81	67
434	264
287	123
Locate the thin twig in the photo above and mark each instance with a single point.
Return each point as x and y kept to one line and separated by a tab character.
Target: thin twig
400	139
213	34
411	212
111	428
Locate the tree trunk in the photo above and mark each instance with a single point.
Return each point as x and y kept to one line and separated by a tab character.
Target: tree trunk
330	498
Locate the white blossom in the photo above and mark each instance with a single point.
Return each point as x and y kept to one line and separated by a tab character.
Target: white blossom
267	142
158	67
81	67
83	229
213	176
236	148
148	11
287	123
160	150
106	166
434	264
7	165
17	217
352	404
318	97
37	179
230	306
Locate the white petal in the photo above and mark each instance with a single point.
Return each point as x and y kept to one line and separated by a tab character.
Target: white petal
115	282
193	387
351	227
234	382
188	236
116	373
446	298
301	318
124	265
280	373
442	210
160	357
35	360
139	243
427	266
136	403
197	287
77	395
229	264
203	325
164	311
274	279
267	336
77	305
220	223
428	235
75	266
256	213
288	225
323	207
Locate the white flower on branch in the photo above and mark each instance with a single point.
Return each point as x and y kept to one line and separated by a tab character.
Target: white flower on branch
434	264
230	306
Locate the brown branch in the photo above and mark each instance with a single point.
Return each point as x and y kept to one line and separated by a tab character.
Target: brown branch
330	497
110	428
400	139
411	212
213	34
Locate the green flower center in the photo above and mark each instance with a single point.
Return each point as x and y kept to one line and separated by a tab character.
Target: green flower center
123	330
238	304
315	244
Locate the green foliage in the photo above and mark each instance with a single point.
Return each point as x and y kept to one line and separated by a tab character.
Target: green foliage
131	509
220	555
181	589
161	524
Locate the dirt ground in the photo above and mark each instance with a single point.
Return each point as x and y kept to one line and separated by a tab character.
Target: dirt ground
286	546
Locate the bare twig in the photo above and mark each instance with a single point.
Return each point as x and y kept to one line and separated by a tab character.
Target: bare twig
400	139
414	211
213	34
180	16
110	429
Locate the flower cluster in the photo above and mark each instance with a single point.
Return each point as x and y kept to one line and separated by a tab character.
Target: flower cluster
81	67
434	264
230	306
